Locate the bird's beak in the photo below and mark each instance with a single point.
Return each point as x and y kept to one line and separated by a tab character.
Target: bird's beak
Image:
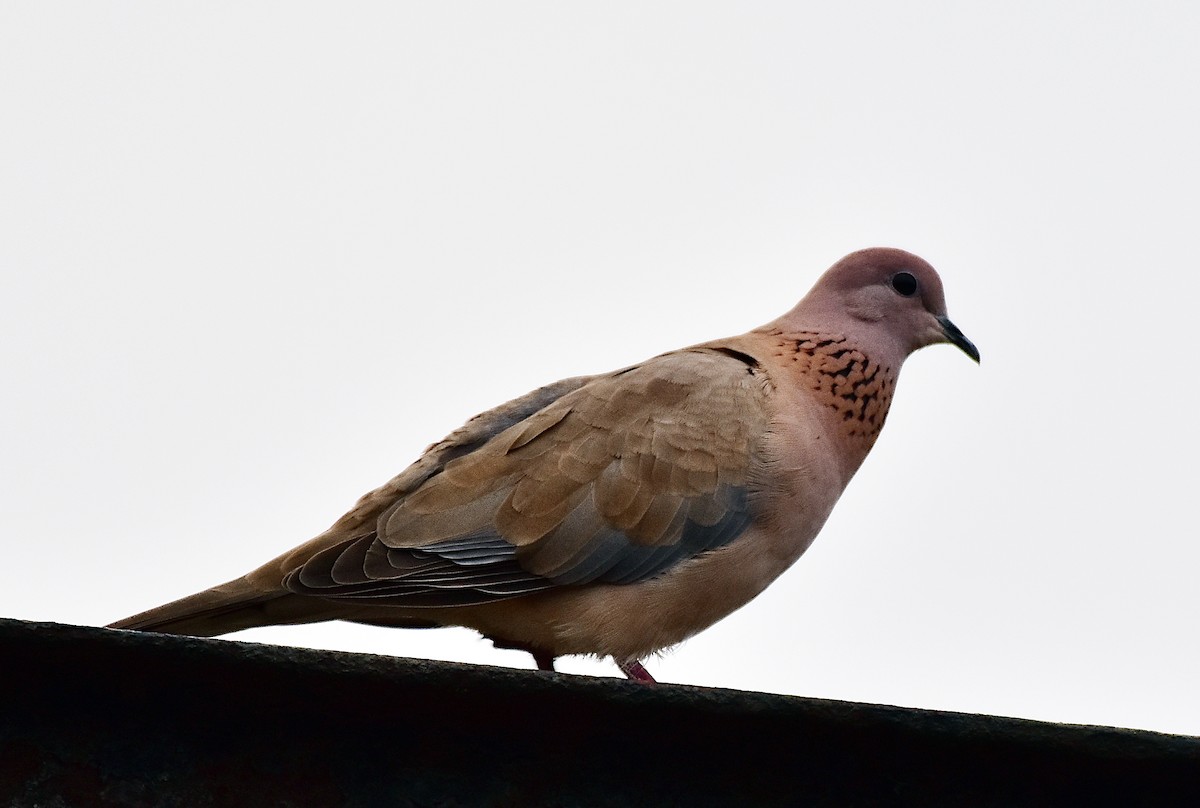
955	337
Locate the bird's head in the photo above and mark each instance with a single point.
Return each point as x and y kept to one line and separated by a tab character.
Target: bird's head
889	299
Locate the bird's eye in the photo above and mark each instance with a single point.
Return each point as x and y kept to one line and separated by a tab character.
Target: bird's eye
904	283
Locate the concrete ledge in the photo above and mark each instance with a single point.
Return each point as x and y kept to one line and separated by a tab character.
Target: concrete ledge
98	717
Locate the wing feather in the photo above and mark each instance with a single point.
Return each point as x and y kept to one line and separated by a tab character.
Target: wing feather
615	479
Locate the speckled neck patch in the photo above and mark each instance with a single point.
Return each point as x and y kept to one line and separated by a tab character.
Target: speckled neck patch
845	379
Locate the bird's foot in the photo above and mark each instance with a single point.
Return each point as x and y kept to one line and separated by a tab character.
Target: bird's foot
634	671
544	659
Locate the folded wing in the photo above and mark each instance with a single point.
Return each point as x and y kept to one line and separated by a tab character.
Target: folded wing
614	481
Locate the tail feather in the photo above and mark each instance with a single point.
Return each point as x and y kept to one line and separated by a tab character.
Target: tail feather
230	607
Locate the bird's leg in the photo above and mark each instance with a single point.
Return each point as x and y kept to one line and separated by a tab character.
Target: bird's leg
544	660
634	671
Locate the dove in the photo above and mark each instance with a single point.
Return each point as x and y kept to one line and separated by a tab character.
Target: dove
616	515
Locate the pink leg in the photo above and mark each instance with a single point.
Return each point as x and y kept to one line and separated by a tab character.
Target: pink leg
634	671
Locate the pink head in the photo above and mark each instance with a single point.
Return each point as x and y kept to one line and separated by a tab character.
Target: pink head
888	299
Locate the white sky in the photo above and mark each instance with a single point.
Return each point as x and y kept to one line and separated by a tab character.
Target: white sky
255	257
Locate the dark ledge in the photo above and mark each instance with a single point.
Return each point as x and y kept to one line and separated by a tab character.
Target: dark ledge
96	717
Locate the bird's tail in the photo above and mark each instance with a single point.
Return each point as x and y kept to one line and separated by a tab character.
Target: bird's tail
230	607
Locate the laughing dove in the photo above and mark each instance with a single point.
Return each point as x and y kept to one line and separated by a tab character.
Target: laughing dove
616	514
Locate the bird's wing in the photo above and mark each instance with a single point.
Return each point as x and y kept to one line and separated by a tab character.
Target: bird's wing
614	481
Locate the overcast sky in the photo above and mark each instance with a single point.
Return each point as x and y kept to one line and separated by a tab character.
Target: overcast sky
255	257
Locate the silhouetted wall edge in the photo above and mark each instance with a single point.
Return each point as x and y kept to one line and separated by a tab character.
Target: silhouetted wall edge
98	717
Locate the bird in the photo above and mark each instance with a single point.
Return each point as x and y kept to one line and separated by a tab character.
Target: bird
618	514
